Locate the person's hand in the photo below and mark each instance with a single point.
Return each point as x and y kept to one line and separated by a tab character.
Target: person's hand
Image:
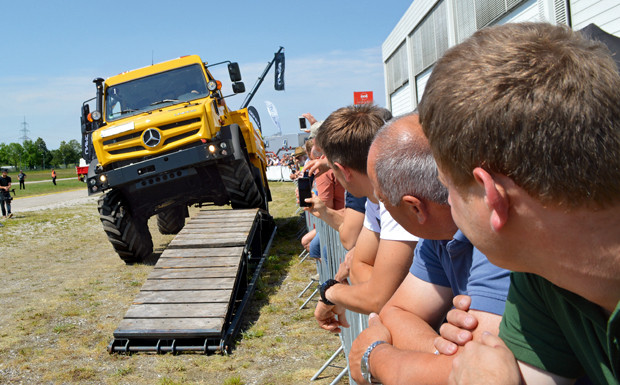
311	119
317	206
345	267
486	362
330	317
317	166
376	331
458	330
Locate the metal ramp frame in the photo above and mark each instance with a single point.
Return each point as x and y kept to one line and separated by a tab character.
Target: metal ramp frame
194	298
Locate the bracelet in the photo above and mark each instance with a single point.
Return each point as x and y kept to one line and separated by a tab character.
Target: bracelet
365	364
323	288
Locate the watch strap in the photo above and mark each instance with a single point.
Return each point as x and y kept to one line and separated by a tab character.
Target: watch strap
323	288
365	364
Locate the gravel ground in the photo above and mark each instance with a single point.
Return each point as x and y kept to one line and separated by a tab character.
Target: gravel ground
52	201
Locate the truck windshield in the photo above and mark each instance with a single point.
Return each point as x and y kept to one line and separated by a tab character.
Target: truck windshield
155	91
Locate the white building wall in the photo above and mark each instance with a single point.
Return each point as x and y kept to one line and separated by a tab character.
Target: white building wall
604	13
400	101
421	81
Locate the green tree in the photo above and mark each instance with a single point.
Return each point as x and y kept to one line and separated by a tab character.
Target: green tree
43	153
4	154
56	158
15	153
31	154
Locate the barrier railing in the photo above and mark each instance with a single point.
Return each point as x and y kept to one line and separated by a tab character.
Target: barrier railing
332	255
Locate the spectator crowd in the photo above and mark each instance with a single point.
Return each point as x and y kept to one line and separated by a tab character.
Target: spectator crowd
482	229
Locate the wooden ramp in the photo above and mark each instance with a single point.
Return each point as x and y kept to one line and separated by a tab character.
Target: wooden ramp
194	297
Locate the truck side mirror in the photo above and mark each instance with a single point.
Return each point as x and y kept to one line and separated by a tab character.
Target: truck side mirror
86	125
233	71
238	87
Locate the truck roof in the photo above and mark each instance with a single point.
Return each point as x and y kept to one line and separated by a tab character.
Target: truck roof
153	69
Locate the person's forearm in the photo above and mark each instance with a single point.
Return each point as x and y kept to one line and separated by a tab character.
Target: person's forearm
360	272
408	330
390	366
333	218
367	297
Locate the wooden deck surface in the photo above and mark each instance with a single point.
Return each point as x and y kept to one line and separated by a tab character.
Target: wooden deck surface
190	288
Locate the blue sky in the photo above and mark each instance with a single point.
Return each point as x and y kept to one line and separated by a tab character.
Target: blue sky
51	51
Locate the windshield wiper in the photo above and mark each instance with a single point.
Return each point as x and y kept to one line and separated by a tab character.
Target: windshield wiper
164	101
123	112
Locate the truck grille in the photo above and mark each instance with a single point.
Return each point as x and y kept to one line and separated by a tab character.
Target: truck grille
181	136
134	135
179	124
122	138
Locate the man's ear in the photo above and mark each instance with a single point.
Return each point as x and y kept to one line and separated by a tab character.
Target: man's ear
416	207
346	172
495	197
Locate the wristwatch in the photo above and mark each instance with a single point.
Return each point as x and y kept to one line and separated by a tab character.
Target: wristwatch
365	365
323	288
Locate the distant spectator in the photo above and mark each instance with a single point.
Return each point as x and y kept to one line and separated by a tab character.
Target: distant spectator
54	177
22	177
5	194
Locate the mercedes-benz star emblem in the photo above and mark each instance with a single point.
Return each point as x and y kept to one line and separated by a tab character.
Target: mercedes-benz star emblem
151	137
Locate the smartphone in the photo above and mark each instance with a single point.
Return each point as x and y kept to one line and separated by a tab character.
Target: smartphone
304	186
302	123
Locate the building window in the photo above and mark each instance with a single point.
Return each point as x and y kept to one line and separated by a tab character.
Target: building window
472	15
396	69
429	40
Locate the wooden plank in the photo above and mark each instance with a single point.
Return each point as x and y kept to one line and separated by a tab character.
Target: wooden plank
224	211
212	238
193	242
221	226
217	230
164	327
235	251
211	262
215	233
227	215
183	296
184	310
189	284
203	272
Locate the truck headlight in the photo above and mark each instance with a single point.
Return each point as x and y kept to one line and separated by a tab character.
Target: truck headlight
103	178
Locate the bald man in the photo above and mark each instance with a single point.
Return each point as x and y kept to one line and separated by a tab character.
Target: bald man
398	345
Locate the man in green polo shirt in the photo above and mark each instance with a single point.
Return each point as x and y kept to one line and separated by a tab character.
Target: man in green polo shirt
524	123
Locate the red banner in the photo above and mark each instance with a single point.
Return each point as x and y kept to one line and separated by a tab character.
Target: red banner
362	97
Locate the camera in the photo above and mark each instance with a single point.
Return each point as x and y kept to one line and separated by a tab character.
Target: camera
304	186
302	123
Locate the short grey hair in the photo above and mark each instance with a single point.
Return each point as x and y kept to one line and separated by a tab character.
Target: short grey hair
404	165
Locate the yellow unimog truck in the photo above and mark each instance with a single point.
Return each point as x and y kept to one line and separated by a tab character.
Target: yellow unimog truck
160	138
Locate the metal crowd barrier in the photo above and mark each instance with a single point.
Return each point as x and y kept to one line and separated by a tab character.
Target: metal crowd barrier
332	254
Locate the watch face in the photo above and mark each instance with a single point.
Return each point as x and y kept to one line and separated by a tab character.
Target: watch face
364	367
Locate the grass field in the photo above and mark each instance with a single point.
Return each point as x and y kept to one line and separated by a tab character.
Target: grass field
40	182
65	291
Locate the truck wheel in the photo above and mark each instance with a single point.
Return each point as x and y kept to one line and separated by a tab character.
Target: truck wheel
239	183
129	235
171	220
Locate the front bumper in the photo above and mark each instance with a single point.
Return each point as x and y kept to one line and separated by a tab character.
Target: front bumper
161	169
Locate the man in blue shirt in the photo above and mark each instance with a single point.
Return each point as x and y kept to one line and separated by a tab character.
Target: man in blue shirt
404	176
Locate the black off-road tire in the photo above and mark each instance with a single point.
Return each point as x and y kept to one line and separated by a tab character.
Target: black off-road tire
171	220
239	182
128	234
